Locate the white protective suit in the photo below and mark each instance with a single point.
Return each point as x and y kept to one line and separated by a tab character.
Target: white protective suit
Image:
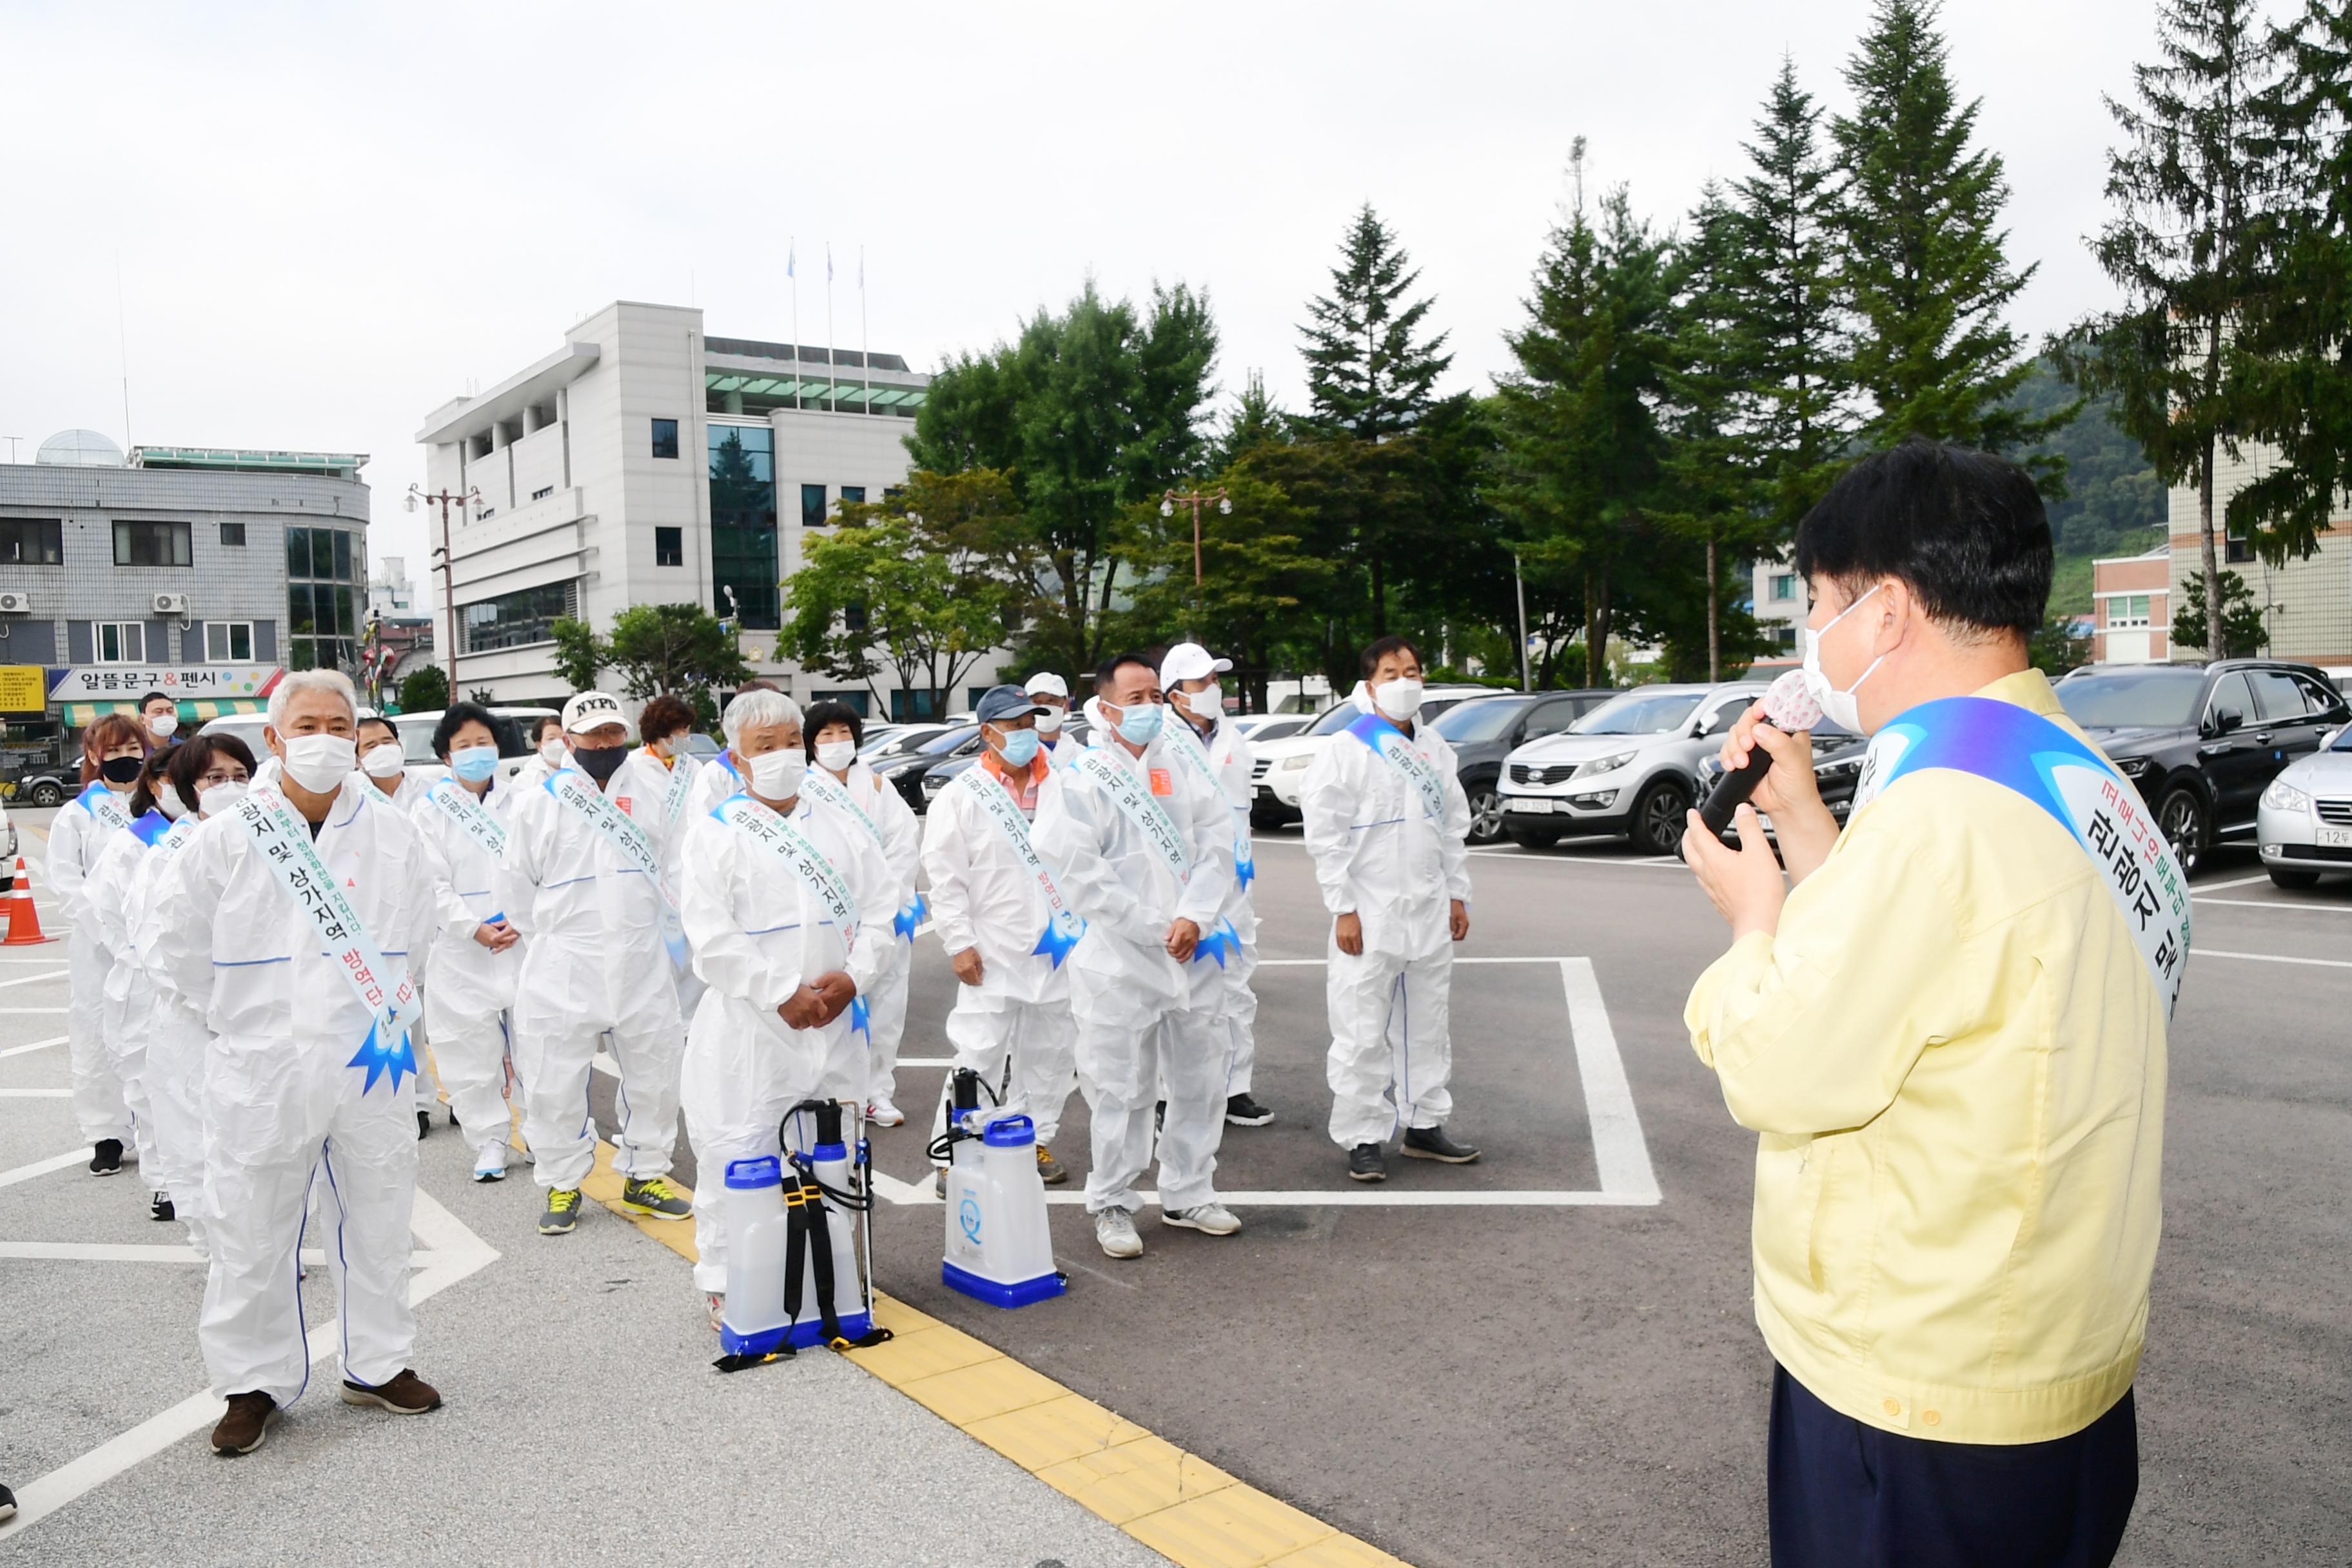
718	779
660	797
1143	1020
108	901
403	798
172	1125
1380	855
758	933
982	896
888	824
593	961
289	1117
76	838
1230	754
468	989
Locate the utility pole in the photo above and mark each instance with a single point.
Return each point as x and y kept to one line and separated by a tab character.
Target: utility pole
1520	583
444	500
1168	504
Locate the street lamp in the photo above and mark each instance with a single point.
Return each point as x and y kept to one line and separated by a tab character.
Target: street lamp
445	500
1194	499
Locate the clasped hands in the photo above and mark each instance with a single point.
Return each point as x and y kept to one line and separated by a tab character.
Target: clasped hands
818	1001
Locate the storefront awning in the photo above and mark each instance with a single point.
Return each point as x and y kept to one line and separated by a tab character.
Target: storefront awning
192	709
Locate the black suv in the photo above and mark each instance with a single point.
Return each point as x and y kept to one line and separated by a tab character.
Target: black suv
2203	740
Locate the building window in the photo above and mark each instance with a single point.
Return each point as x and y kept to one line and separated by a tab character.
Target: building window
520	619
852	494
665	437
228	642
853	617
1784	586
32	541
151	544
2126	611
233	534
542	492
859	703
326	598
669	547
120	642
812	506
913	707
743	572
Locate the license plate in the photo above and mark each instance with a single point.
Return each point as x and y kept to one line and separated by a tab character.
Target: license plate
1528	803
2336	837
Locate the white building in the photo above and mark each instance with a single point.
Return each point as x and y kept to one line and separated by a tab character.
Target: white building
2307	604
643	463
1779	609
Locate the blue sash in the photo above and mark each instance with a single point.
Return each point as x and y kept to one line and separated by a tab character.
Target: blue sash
150	828
1389	743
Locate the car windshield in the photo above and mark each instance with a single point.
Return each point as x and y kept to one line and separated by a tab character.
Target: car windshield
1639	712
1336	719
940	744
1472	722
2150	697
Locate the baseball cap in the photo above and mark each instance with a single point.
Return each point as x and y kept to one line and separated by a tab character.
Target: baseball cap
1005	702
586	710
1189	661
1045	683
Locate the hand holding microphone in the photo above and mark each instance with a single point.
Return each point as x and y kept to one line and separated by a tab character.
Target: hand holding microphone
1749	755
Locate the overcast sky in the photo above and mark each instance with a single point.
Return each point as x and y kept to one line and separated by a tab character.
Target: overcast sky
326	221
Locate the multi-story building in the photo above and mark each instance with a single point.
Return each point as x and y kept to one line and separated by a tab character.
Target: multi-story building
2131	608
644	463
2307	605
197	571
1780	607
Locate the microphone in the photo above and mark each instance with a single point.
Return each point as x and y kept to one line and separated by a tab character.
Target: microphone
1790	707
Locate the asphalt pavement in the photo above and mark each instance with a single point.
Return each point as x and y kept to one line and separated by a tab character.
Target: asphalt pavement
1547	1357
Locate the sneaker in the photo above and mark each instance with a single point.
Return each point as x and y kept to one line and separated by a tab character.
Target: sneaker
562	1212
882	1114
407	1394
1212	1219
424	1125
655	1198
1049	1170
247	1421
106	1159
1114	1228
939	1183
718	1310
490	1163
1241	1111
1431	1143
7	1504
1160	1117
162	1209
1365	1164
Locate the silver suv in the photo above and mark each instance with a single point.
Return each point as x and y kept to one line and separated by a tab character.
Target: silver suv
1630	767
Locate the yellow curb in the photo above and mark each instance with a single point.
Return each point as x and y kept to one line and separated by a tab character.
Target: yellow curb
1175	1502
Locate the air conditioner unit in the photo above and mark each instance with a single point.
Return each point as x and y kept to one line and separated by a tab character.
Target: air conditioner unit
171	604
15	604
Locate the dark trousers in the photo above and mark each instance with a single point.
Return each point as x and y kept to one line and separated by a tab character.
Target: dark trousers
1844	1494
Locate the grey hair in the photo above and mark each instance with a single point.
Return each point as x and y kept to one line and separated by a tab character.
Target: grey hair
758	707
334	680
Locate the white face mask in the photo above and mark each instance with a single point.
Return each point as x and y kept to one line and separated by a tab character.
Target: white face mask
164	726
214	799
1049	723
776	775
554	751
1208	704
384	760
320	763
168	802
834	756
1840	707
1399	700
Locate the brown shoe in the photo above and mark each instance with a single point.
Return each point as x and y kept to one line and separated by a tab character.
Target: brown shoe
407	1394
1049	1170
247	1421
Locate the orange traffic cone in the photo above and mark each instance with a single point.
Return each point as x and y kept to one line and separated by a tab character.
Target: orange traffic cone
23	920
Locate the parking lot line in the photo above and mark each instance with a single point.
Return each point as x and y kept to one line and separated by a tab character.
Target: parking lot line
35	1093
34	978
36	1046
2275	904
43	1167
2270	958
2236	882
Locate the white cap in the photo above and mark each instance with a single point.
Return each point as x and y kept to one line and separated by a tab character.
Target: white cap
1045	683
1189	661
588	710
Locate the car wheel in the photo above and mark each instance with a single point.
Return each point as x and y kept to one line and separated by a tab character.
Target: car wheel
48	793
2294	881
1486	813
2181	818
1533	838
1659	817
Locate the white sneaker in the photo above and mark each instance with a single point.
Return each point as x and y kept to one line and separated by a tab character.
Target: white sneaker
882	1114
1114	1228
490	1163
1215	1219
718	1302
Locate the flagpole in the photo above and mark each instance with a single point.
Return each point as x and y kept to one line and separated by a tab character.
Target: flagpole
865	356
791	272
832	370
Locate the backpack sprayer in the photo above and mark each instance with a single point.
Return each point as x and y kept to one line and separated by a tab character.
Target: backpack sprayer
800	1258
998	1247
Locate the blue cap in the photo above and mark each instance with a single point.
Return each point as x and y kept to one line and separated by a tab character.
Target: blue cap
1010	1132
1006	702
745	1175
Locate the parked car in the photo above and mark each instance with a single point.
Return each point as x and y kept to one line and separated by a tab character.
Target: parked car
1837	769
45	786
898	739
701	747
416	732
1281	765
1630	767
2304	825
906	771
1259	727
2203	741
8	849
1484	732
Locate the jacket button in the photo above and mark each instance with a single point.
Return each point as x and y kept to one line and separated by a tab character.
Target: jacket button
1931	1418
1894	1407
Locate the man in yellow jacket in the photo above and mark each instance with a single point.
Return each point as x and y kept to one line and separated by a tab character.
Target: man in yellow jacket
1949	1037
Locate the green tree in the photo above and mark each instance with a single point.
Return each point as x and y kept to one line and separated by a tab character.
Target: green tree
1090	411
2114	501
424	690
675	649
923	583
1256	418
2060	646
580	653
1925	269
2246	628
2183	245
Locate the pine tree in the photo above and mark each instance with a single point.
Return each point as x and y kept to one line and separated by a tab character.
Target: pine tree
1256	418
1925	270
2183	246
1366	374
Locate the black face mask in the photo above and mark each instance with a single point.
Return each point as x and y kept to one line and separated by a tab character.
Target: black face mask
599	763
122	770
